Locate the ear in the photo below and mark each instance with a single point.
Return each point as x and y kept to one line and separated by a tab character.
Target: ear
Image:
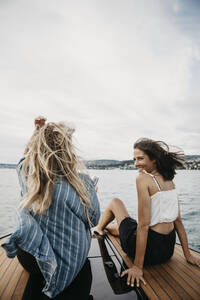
154	161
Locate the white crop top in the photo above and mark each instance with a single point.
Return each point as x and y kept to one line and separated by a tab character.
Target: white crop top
164	205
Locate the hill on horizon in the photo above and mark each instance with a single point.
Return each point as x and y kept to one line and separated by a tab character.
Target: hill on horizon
106	162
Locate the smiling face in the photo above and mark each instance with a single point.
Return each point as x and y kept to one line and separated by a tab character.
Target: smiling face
143	162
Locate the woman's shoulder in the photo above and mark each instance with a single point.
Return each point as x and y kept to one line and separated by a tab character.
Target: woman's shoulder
141	177
20	163
142	180
19	166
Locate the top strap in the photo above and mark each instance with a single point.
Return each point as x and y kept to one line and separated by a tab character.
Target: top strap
155	180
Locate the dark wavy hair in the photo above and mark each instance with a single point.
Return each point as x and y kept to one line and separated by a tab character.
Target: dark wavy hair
166	161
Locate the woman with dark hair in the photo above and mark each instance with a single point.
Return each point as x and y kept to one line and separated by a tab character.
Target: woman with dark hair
151	240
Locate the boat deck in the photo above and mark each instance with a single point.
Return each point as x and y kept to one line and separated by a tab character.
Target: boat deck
175	279
13	277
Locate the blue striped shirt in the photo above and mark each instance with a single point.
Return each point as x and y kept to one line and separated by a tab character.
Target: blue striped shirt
60	239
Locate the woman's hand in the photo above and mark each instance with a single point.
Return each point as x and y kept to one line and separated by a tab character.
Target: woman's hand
134	273
194	260
39	122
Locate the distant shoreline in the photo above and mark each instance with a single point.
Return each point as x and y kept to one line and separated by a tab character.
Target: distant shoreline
8	166
192	163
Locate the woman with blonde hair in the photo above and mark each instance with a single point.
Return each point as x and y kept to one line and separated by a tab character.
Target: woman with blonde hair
58	207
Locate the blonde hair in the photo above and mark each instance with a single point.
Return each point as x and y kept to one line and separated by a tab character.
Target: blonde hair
50	152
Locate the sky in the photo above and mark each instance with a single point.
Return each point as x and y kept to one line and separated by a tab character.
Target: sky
115	70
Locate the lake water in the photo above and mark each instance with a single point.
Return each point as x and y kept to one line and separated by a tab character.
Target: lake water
115	183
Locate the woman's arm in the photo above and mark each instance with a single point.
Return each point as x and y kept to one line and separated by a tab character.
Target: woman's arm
38	122
144	206
184	241
136	271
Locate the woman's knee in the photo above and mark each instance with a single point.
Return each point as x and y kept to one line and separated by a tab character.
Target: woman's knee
119	209
116	201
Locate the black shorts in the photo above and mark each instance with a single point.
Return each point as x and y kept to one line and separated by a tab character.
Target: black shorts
160	247
82	282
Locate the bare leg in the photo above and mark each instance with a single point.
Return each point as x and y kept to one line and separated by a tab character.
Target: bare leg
115	210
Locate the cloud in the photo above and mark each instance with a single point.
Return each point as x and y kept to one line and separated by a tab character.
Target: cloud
116	70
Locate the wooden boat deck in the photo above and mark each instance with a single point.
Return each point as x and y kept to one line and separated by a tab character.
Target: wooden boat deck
13	277
175	279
